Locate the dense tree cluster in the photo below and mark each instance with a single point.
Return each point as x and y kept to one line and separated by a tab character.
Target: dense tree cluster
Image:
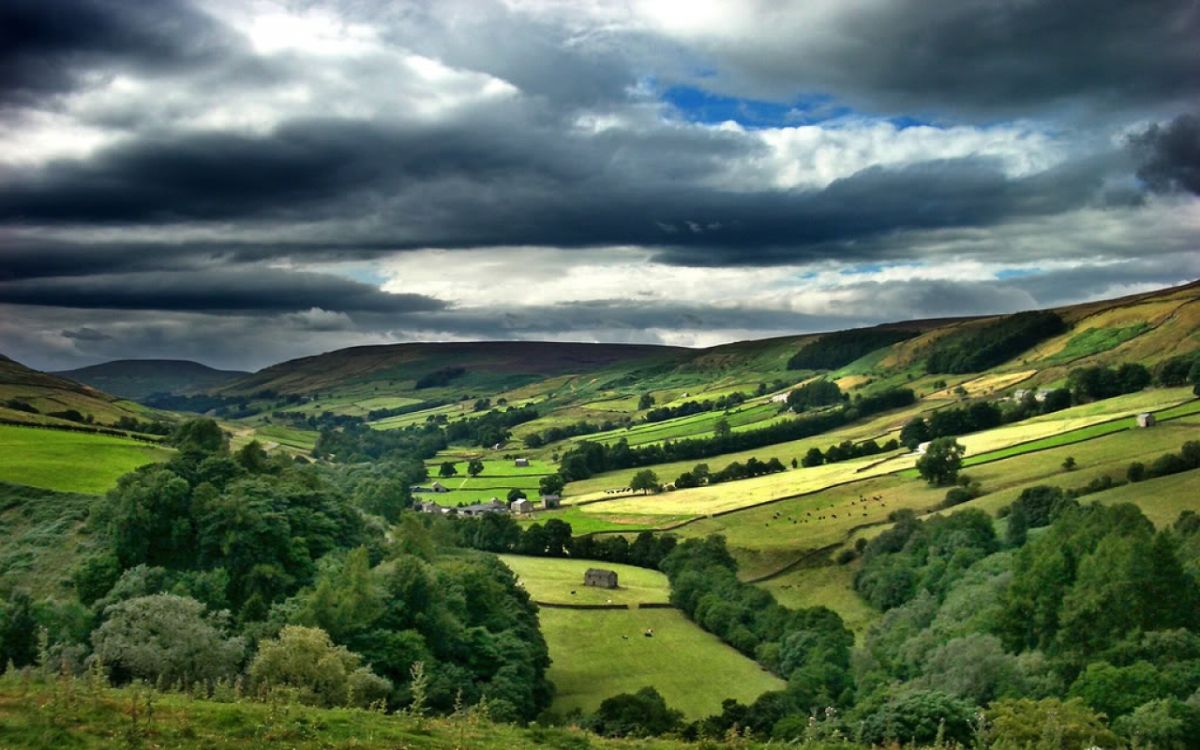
439	377
846	450
218	566
575	429
981	415
834	350
815	394
502	534
700	474
588	458
978	348
687	408
1095	383
491	428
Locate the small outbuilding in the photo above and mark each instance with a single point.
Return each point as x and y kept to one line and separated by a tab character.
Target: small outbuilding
600	577
438	487
551	501
521	462
521	505
1146	420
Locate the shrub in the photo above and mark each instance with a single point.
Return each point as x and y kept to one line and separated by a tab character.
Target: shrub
920	716
641	714
1020	723
167	638
322	674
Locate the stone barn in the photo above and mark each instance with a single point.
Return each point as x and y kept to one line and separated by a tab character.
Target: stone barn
601	578
521	462
551	501
521	505
1145	420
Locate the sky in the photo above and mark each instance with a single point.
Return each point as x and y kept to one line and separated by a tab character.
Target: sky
244	182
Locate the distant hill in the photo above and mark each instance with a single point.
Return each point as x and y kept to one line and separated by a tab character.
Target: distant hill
1145	328
138	378
485	365
34	397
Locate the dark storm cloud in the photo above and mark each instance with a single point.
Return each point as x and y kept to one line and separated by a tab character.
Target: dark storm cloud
978	56
252	290
1170	155
469	186
86	334
47	45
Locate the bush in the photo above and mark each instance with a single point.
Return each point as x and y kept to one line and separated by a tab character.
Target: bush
1168	724
920	716
322	674
1023	722
641	714
168	639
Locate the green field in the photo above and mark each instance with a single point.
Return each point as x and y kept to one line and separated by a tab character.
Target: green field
560	581
829	586
71	461
41	533
600	653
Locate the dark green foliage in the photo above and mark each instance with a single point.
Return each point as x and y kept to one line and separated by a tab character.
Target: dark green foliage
1095	383
941	461
977	349
915	556
914	432
1035	507
641	714
1186	459
1114	691
720	403
551	485
464	617
204	510
1175	371
491	428
588	458
356	443
736	470
438	378
501	534
809	647
18	405
815	394
834	350
1095	575
919	716
575	429
18	629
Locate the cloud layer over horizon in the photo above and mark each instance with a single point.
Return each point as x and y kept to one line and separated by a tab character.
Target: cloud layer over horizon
246	182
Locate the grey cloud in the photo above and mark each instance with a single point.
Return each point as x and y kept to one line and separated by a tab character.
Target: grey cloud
86	334
47	45
247	290
1170	155
977	57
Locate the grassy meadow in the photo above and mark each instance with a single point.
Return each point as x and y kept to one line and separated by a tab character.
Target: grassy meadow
71	461
560	581
599	653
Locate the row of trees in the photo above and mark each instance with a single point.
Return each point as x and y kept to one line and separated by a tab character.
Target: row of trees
687	408
834	350
588	458
979	348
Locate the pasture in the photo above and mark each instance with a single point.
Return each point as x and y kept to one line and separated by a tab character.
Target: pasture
560	581
599	653
71	461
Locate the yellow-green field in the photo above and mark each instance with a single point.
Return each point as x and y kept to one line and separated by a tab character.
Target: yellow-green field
71	461
600	653
560	581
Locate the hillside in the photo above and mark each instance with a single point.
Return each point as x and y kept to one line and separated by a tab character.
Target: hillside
138	378
31	397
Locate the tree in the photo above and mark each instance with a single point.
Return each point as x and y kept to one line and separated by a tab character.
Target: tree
645	402
1068	463
722	430
167	638
1027	723
475	467
18	630
813	458
941	461
551	485
447	469
915	432
322	674
199	436
515	494
920	716
641	714
645	481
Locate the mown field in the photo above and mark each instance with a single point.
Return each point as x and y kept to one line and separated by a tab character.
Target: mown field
71	461
560	581
600	653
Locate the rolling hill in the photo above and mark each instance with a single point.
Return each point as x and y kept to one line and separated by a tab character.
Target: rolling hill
28	396
138	378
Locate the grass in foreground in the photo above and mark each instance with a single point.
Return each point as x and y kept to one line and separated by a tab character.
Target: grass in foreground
71	714
71	461
560	581
600	653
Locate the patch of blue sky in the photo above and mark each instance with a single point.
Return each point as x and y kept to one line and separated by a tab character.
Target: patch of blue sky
1016	273
698	105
